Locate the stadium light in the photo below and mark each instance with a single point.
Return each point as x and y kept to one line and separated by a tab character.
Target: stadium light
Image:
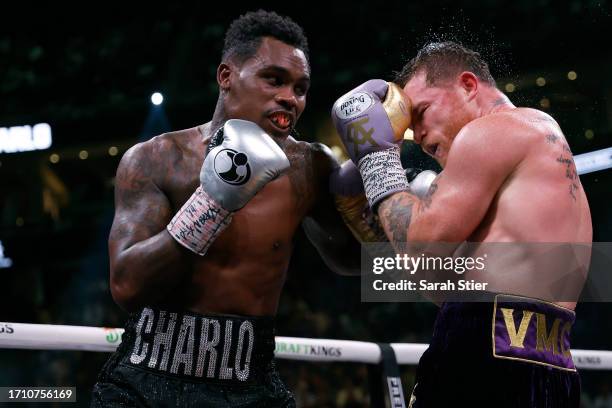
157	98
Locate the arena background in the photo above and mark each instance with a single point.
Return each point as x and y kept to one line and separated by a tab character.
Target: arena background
90	71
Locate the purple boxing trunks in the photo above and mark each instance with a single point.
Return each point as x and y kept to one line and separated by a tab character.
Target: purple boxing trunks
512	352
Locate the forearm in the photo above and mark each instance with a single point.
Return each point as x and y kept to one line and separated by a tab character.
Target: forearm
397	214
406	215
412	227
147	271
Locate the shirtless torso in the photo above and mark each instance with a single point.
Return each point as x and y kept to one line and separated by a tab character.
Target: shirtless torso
245	268
509	177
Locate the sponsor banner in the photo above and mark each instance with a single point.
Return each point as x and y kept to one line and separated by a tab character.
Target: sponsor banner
25	138
308	350
295	348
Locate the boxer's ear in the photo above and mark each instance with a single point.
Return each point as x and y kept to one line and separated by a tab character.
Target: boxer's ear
469	83
224	72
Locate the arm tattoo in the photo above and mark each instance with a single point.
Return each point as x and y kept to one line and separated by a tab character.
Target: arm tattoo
132	180
566	159
141	208
570	173
552	138
499	101
396	214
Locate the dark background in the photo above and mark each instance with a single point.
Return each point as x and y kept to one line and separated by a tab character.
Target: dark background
89	72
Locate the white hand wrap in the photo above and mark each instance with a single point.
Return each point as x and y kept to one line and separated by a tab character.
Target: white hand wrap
382	174
199	222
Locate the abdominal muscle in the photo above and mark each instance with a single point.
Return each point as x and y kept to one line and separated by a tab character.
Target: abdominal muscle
247	288
245	269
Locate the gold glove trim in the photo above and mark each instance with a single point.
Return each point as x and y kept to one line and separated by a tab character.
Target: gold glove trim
363	225
398	108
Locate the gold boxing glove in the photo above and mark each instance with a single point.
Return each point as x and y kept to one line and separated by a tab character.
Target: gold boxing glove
352	204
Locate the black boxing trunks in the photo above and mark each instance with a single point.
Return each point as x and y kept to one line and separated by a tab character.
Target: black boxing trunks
513	352
183	359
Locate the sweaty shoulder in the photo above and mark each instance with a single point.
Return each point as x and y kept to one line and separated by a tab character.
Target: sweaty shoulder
498	140
152	157
312	164
504	133
180	142
518	125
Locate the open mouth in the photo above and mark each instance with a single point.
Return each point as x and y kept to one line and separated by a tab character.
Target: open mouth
281	120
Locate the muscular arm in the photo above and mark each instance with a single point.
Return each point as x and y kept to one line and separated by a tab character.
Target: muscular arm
324	226
145	262
478	163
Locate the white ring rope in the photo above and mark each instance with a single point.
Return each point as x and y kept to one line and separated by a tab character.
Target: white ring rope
58	337
593	161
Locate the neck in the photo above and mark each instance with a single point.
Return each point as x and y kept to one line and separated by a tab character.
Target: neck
218	119
493	101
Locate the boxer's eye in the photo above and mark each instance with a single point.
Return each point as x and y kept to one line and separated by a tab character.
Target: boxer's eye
300	90
274	80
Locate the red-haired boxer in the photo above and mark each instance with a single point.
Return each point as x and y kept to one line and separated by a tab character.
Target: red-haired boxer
203	229
508	176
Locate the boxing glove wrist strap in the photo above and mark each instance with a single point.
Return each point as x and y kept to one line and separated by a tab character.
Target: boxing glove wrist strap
199	222
382	174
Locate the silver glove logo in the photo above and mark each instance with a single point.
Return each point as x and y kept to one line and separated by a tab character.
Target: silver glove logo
232	167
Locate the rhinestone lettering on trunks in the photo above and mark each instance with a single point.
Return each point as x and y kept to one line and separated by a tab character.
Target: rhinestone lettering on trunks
194	346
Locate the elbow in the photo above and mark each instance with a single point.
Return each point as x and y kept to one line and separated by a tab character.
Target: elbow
428	233
344	269
125	294
124	298
434	241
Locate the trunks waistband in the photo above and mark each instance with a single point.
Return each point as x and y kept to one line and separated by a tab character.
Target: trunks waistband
216	348
508	327
532	330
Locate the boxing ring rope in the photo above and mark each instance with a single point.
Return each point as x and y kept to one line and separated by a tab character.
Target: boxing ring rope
593	161
84	338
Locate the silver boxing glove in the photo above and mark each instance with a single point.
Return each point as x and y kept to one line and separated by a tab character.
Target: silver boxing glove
234	171
245	161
